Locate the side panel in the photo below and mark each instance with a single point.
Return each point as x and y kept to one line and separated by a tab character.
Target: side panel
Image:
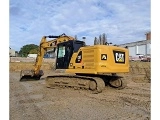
101	59
89	58
84	61
117	60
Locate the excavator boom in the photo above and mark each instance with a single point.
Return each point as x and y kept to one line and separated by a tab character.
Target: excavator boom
36	73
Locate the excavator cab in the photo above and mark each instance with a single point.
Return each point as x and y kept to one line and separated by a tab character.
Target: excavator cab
65	51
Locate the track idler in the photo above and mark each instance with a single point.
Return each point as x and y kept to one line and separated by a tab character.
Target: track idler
29	75
118	82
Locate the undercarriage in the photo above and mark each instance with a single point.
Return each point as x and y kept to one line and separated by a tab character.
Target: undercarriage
94	83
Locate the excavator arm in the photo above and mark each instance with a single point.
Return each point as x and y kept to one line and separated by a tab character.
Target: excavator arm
44	44
36	73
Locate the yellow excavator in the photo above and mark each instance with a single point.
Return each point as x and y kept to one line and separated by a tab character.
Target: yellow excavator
90	67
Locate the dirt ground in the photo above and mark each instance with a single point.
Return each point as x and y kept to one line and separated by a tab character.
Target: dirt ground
31	100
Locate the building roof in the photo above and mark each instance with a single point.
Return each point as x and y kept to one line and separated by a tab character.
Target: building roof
142	42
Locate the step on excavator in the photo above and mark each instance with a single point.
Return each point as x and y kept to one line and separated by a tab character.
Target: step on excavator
90	67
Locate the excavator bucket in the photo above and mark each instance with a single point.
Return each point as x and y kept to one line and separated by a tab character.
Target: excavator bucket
29	75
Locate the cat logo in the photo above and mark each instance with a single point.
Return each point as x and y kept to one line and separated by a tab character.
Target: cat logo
103	56
119	57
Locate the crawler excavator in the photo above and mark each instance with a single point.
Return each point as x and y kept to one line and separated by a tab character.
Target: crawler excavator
90	67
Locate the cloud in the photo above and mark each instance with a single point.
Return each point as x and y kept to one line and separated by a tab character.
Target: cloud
123	21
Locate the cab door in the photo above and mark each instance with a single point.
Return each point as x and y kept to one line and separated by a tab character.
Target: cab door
64	54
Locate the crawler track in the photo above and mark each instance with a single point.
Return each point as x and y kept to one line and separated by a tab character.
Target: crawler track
77	82
93	83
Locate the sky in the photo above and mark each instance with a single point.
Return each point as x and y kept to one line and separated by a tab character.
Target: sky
122	21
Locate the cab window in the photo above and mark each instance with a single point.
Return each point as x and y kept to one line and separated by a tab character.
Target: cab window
61	51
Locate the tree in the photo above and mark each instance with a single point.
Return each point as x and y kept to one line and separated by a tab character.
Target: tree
25	50
34	51
104	38
100	40
95	41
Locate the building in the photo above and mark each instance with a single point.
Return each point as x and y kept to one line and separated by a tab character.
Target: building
139	47
31	55
51	53
12	53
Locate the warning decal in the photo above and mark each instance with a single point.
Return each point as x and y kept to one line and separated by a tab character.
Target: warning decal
103	56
